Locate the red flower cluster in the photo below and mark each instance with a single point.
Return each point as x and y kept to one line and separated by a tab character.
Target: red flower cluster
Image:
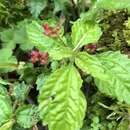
91	47
37	56
49	31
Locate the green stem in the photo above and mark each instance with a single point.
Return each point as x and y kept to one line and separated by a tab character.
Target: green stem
9	64
78	45
15	105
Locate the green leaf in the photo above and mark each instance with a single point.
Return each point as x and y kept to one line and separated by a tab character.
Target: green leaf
7	61
113	4
36	36
41	80
111	72
3	90
36	6
7	36
18	127
60	5
20	35
20	91
84	33
5	108
94	14
27	116
7	126
61	102
54	65
96	10
17	35
5	54
93	1
124	125
95	125
60	53
4	82
90	64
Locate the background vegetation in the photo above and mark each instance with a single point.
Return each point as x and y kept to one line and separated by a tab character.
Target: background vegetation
25	65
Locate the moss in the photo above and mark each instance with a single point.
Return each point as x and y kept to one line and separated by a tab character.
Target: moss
113	27
127	31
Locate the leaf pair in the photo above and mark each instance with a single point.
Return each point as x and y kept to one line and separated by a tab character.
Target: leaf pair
82	34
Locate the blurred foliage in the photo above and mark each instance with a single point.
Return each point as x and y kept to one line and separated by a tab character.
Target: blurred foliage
113	27
12	11
21	80
127	31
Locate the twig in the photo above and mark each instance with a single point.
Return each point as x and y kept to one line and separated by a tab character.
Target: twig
15	105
